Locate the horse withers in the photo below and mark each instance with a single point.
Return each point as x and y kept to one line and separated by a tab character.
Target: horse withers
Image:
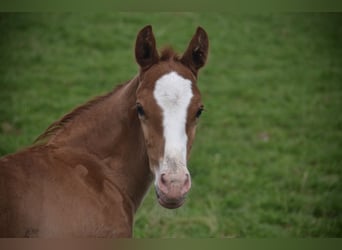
86	175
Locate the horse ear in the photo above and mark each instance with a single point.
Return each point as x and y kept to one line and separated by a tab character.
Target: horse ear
146	53
196	54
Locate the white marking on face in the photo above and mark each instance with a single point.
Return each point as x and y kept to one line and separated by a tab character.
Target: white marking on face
173	94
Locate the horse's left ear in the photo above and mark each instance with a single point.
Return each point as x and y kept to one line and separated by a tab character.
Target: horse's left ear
196	54
146	53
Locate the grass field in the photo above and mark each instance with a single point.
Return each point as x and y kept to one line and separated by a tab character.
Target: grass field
267	159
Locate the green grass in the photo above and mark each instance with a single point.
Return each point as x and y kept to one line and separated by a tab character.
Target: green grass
267	156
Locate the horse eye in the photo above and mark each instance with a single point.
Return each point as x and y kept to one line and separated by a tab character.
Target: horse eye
199	112
140	110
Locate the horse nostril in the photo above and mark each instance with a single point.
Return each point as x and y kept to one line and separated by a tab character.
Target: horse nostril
163	186
162	179
187	184
187	179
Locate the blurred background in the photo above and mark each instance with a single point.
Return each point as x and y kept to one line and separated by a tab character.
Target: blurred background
267	157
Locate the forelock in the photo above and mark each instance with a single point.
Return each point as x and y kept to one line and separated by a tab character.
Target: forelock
169	54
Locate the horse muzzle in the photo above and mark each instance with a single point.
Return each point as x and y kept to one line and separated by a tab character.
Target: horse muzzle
171	189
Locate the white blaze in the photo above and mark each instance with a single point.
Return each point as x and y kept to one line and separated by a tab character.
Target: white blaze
173	94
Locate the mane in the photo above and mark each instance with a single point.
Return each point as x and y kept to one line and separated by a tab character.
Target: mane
169	54
60	124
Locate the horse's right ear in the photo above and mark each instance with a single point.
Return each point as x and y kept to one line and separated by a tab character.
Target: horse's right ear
146	53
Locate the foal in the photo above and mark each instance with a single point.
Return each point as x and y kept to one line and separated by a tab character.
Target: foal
87	173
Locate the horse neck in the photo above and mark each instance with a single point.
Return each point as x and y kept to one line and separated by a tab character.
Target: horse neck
110	130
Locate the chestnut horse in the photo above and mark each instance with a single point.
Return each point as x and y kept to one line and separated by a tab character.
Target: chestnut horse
87	174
